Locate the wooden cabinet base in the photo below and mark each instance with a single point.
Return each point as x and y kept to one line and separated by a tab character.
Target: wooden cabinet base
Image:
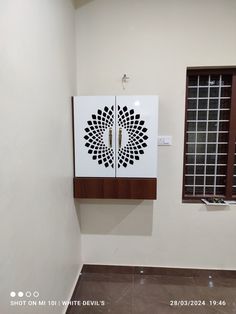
116	188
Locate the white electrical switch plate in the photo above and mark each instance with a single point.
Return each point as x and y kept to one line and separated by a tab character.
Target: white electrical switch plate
164	140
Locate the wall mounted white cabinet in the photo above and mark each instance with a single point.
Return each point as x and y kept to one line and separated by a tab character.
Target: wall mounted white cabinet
115	137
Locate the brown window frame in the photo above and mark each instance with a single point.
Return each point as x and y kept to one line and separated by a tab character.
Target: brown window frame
232	131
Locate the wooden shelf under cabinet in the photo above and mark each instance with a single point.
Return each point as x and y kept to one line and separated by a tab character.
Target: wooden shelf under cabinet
115	188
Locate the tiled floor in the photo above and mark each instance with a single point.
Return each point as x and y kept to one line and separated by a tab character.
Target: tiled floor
136	290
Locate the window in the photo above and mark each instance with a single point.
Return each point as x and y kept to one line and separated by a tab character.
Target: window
210	134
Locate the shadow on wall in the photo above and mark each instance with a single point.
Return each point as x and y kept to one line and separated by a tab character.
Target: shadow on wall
79	3
117	217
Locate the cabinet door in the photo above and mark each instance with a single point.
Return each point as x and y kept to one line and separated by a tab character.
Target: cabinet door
94	136
136	136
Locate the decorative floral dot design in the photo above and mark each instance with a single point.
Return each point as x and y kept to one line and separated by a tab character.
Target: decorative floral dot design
127	119
137	132
94	136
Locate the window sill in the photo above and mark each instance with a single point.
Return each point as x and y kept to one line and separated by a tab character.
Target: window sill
192	201
199	201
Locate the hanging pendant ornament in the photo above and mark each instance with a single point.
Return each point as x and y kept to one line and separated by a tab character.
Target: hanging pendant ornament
124	80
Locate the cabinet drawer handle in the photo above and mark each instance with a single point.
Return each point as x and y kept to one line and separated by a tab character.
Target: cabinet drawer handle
110	137
120	137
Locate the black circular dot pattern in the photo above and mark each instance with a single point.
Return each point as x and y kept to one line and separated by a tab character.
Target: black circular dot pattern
94	136
128	120
137	141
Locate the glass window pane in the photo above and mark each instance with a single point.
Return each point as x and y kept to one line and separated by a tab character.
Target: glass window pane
224	114
199	190
201	148
222	159
225	103
213	115
190	148
221	169
202	115
192	92
225	92
214	91
201	126
202	104
203	80
210	169
192	104
226	80
203	92
200	169
190	159
201	137
223	126
209	180
222	148
193	80
211	137
199	180
190	169
211	159
191	137
234	191
189	190
191	115
220	191
200	159
191	126
211	148
213	103
189	180
209	191
220	180
214	80
223	137
212	126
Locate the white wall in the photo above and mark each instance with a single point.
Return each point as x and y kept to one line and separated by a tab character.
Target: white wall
39	230
153	42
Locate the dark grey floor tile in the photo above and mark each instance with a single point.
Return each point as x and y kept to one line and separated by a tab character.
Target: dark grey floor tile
113	291
155	294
